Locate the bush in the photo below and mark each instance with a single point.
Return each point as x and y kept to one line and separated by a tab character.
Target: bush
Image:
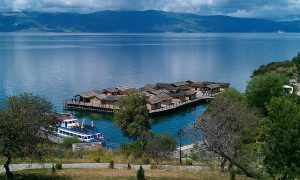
140	174
146	161
78	154
160	147
189	162
96	159
134	149
58	166
232	174
111	165
128	166
58	153
69	141
193	156
153	166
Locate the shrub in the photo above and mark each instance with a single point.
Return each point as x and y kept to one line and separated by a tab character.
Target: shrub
69	141
146	161
134	149
140	174
111	165
59	153
193	156
153	166
96	159
78	154
128	166
189	162
232	174
58	166
160	147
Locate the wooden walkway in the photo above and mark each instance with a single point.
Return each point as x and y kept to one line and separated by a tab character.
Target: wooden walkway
77	105
184	104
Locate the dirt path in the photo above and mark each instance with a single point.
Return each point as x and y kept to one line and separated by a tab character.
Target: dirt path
18	167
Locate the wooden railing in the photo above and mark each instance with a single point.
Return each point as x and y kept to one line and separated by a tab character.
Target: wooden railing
80	103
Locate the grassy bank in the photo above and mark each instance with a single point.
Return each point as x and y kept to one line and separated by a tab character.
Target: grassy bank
82	174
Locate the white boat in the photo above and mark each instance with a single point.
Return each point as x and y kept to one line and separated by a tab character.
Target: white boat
70	127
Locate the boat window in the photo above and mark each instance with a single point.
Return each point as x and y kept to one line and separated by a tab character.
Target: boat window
85	137
60	131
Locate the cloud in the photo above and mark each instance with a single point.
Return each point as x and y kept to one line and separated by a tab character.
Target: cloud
271	9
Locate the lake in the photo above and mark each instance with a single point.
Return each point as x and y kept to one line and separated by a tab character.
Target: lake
61	65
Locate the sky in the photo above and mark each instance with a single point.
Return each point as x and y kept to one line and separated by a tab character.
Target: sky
268	9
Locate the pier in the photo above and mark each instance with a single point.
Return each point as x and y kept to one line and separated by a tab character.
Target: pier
77	105
161	97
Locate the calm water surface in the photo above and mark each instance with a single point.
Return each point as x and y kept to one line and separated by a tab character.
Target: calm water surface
61	65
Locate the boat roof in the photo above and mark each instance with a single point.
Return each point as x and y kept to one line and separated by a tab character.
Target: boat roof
70	120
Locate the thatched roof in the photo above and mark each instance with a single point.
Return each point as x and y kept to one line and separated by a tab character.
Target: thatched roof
164	97
154	100
190	92
223	85
184	88
177	95
180	83
213	86
99	91
191	81
111	98
101	96
124	88
146	93
87	95
151	86
208	82
159	91
111	90
163	85
197	85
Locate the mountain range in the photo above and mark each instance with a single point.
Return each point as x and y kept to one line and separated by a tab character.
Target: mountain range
149	21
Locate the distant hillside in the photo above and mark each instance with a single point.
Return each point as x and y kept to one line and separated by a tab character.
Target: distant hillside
137	22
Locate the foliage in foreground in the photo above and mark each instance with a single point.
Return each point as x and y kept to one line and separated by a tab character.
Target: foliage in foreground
160	147
280	133
261	89
227	126
69	141
21	122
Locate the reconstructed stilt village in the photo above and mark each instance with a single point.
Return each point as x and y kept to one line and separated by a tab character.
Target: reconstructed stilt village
161	97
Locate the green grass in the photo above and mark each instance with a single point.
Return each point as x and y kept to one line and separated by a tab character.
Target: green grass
82	174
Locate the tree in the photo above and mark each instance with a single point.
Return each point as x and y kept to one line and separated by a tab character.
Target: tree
160	147
132	117
281	136
227	125
262	88
21	122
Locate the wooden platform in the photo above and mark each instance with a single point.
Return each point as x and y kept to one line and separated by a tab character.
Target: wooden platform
76	105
